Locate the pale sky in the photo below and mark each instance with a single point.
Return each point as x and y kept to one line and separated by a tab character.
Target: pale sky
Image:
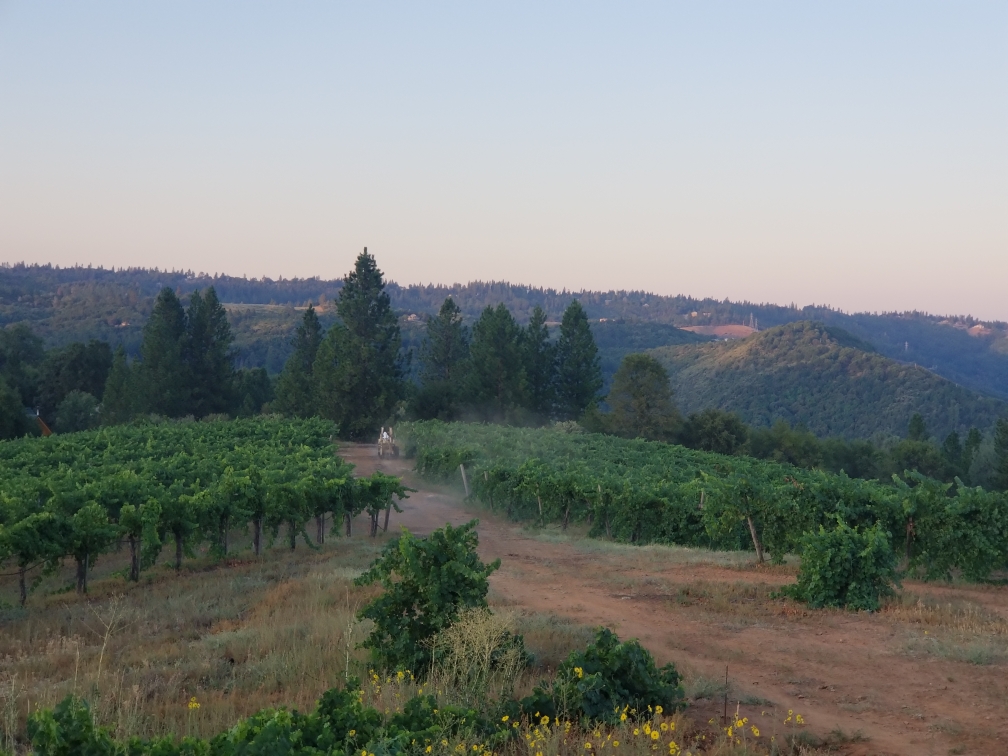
847	154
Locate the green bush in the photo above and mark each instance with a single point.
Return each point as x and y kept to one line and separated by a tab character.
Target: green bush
427	582
340	725
845	567
606	680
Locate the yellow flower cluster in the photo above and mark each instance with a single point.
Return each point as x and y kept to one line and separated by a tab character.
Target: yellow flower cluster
193	704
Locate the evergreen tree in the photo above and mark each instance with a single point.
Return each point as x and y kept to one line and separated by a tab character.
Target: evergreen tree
496	380
294	386
75	367
1000	478
119	402
208	354
164	380
357	375
641	400
444	353
446	346
13	420
579	376
539	360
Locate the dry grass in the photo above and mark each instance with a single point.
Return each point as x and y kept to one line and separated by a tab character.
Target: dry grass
238	637
959	630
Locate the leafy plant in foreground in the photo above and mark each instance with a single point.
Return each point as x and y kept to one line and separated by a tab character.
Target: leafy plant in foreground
607	681
427	582
845	567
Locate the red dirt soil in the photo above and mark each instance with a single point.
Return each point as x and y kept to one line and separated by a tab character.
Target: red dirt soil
840	670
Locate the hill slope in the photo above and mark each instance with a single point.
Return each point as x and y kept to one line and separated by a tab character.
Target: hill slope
823	378
75	304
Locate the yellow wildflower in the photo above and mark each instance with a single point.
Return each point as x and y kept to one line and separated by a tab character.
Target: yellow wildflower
544	721
654	735
658	709
193	704
755	731
505	718
587	746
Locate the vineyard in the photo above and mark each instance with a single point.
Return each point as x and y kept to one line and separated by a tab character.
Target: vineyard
648	492
184	484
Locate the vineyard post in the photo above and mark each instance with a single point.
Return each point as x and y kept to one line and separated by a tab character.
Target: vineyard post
465	480
257	524
388	511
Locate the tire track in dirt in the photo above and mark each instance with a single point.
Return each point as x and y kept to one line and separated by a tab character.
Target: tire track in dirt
839	670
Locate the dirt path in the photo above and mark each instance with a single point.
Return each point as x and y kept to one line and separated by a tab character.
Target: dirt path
841	671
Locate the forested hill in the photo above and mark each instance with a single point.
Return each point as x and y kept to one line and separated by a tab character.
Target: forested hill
73	304
824	378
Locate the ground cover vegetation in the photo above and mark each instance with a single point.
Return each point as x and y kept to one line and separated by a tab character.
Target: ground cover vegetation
184	484
850	532
457	696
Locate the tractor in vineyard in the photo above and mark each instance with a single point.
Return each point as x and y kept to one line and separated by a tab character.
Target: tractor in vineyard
386	443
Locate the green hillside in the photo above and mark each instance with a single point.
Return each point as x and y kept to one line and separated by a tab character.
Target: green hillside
823	378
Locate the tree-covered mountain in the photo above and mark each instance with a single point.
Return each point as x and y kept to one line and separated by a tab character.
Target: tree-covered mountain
64	305
823	378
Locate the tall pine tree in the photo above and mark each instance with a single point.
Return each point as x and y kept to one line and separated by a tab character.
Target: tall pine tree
579	374
119	401
208	353
357	377
444	356
164	379
539	360
496	380
294	386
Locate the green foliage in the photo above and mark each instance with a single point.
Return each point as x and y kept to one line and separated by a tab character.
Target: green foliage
539	357
803	374
647	492
606	680
294	386
444	356
579	374
339	725
1001	455
13	421
75	367
357	374
845	567
427	582
714	430
640	401
496	380
76	412
184	483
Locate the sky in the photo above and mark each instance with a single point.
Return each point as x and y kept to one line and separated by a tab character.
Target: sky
849	154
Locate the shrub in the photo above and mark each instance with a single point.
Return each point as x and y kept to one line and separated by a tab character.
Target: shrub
605	681
845	567
427	582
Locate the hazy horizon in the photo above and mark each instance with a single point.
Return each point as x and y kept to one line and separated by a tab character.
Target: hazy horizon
852	156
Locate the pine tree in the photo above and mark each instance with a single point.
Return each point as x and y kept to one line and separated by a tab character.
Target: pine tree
119	397
164	380
1001	455
208	354
444	356
294	386
446	345
496	380
641	400
579	375
357	375
539	359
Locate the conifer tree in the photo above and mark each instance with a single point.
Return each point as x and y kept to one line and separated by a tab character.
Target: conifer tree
496	380
357	377
208	354
164	385
444	356
539	359
579	375
118	399
641	400
294	386
1001	454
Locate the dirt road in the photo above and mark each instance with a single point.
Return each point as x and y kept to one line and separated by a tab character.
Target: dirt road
854	673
